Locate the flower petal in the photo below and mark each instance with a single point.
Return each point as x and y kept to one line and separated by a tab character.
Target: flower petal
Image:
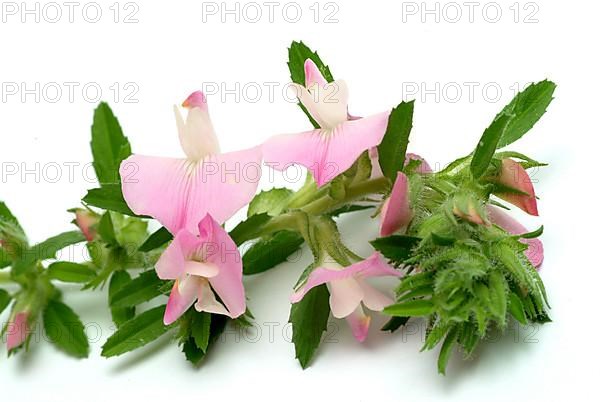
326	154
535	252
359	324
312	74
226	256
346	295
373	266
203	269
178	193
327	104
396	213
208	302
172	262
374	299
17	331
513	175
196	134
183	295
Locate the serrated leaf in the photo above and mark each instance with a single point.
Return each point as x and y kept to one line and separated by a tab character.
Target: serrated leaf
4	300
145	287
109	146
64	328
136	332
109	197
270	252
193	353
155	240
392	150
486	147
309	320
249	228
7	216
118	281
271	202
446	350
396	248
526	109
516	308
70	272
106	229
412	308
201	330
498	289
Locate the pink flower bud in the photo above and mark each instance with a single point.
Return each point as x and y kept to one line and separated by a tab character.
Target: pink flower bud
86	220
17	330
514	176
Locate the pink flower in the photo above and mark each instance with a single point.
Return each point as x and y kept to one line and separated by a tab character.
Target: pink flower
180	192
535	252
350	291
17	330
514	176
203	265
395	212
332	149
86	221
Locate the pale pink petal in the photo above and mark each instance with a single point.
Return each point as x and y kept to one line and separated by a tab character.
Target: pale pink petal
396	213
374	299
535	252
203	269
326	154
17	331
373	266
172	262
312	74
327	104
178	193
224	254
86	220
196	134
359	324
345	295
196	99
513	175
208	302
183	295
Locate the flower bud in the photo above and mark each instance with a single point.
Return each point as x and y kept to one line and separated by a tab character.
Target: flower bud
87	220
17	330
514	177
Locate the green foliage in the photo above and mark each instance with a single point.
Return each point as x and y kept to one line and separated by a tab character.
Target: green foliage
396	248
270	252
136	332
271	202
46	250
5	300
64	328
157	239
108	197
309	320
392	150
145	287
70	272
199	333
118	281
249	229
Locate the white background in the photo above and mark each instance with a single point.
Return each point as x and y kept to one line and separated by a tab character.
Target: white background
171	51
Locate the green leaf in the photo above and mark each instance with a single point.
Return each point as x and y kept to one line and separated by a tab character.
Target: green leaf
516	309
109	197
249	228
70	272
155	240
109	146
309	320
392	150
498	293
106	229
411	308
5	259
46	250
446	350
349	208
201	330
7	216
297	55
268	253
192	351
396	248
532	235
526	109
136	332
118	281
486	147
64	328
4	300
271	202
145	287
394	323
